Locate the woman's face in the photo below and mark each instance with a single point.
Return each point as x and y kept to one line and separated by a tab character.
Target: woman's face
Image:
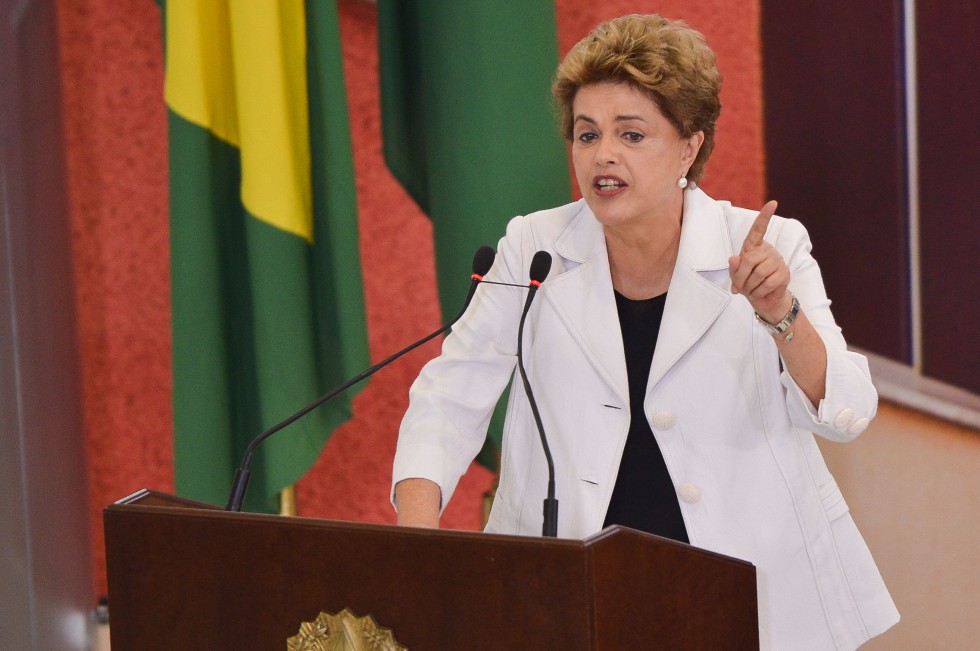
627	156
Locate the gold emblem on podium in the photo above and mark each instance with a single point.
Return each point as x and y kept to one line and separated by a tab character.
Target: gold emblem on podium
343	632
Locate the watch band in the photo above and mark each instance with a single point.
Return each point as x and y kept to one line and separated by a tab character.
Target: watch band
782	326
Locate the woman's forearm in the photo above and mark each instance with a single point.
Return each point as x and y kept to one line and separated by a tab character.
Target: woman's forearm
805	358
417	502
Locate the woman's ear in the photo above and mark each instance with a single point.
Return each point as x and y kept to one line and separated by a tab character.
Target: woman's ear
691	148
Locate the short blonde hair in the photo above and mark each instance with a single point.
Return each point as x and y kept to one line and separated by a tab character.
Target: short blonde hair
667	59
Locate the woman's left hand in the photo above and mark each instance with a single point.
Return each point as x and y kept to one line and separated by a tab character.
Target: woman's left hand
759	272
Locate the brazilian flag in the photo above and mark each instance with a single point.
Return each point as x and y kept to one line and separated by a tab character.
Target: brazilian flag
267	299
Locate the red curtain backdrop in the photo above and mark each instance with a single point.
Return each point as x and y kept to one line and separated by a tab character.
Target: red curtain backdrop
115	126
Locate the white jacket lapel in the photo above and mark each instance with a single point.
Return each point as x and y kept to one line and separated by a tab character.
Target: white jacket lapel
700	286
582	297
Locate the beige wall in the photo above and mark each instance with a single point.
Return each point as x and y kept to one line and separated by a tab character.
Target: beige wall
913	485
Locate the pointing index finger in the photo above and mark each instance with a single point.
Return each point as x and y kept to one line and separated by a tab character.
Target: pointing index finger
759	226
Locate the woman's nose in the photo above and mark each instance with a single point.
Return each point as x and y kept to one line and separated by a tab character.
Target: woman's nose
607	153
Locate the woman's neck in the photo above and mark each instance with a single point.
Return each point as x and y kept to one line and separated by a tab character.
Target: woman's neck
641	260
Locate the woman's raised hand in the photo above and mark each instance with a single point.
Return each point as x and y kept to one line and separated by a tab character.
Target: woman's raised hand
759	272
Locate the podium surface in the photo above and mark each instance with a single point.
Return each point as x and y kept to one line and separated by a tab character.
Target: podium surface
187	575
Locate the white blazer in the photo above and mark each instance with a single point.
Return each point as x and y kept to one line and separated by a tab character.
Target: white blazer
734	429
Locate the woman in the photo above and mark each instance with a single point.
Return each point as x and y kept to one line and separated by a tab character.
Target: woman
682	351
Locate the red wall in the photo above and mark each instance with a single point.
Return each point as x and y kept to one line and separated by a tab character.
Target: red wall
115	129
115	126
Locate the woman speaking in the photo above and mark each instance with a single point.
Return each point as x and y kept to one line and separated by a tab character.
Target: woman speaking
682	352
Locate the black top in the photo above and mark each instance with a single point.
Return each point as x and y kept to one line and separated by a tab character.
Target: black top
644	497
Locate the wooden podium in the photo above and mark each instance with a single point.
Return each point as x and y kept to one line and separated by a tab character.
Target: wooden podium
184	575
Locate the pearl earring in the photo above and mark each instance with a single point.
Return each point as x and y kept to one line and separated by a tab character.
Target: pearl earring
682	182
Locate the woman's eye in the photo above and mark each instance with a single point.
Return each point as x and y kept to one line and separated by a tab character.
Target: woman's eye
587	137
633	137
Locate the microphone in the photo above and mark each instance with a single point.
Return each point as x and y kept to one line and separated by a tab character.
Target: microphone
540	266
482	262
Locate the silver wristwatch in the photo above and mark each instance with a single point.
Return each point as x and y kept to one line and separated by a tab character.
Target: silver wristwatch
782	326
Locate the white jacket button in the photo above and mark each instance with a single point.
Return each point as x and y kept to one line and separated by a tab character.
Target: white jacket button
843	419
689	493
858	426
663	420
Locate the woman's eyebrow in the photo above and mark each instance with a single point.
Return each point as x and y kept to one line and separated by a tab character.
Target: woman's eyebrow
618	118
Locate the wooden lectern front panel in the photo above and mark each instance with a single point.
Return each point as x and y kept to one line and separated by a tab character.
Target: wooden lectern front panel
182	577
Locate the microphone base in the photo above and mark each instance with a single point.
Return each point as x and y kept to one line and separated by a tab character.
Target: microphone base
550	526
238	489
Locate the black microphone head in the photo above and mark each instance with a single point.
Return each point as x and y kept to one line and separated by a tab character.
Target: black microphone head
483	260
540	266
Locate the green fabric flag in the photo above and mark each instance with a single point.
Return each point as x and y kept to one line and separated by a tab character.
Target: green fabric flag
468	123
268	307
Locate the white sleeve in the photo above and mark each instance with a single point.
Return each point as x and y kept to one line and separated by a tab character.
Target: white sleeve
850	399
452	400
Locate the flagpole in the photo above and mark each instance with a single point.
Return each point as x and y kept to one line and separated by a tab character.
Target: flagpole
287	500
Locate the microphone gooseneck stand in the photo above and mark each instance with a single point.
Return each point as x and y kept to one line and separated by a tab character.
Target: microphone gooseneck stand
540	266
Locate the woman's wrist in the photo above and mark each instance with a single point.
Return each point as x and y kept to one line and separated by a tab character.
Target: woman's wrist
417	502
782	320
